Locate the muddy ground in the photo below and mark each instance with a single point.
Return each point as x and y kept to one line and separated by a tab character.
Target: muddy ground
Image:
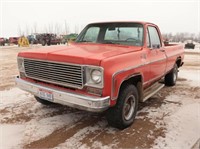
60	126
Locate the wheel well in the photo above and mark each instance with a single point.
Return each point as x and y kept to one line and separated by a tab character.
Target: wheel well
136	80
178	61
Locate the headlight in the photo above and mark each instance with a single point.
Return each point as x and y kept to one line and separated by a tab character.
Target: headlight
94	76
20	62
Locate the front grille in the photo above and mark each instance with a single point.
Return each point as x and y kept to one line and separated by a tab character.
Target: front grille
57	73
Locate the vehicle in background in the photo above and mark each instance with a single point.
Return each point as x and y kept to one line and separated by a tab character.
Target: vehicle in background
71	37
2	41
55	39
63	39
13	40
68	38
48	39
33	39
189	45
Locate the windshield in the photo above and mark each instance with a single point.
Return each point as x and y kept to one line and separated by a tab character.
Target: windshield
113	33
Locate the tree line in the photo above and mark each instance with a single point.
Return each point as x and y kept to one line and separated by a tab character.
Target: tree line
181	37
50	28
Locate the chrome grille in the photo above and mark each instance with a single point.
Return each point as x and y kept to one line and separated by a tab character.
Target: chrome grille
56	73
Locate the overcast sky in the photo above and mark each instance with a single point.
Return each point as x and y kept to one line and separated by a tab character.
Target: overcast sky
170	15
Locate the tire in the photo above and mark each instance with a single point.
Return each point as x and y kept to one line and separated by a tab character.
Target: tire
171	77
43	101
48	43
43	43
123	113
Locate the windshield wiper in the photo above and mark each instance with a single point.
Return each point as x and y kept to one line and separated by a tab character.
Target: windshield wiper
109	42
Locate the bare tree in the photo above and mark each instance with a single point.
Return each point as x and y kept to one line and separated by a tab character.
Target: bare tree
35	28
66	28
76	29
19	30
182	37
45	29
50	28
57	28
82	27
27	30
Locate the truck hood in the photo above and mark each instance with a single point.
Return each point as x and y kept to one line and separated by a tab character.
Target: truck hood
90	54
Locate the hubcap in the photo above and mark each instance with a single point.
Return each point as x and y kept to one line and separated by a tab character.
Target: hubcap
129	107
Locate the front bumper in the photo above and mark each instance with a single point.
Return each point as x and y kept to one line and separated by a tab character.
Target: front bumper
83	102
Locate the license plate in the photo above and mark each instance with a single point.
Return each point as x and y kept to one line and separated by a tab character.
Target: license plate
45	94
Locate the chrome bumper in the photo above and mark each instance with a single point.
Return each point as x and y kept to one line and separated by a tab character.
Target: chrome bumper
83	102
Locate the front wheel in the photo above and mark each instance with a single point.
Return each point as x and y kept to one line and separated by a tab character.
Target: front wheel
123	113
171	77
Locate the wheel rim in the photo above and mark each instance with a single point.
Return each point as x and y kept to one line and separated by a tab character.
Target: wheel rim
129	107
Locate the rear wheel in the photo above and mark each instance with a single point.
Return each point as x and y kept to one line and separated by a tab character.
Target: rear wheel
171	77
43	101
123	113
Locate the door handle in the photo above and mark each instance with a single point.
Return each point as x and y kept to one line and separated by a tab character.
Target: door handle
162	50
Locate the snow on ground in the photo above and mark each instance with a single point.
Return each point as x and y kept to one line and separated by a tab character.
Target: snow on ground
12	96
193	76
183	123
183	128
37	128
11	136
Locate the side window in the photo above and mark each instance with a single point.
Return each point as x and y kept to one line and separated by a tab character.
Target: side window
154	37
92	34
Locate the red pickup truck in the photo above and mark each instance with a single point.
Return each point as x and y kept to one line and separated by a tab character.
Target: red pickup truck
112	66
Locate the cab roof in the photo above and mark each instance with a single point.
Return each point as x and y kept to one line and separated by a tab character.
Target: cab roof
140	22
